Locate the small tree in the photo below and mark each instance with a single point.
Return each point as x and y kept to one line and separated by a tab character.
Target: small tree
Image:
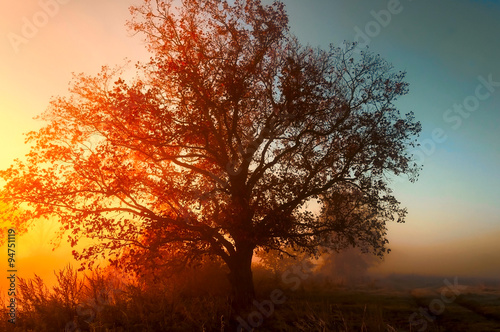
230	129
277	262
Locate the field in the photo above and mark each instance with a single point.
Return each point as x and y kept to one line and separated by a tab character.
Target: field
198	301
431	304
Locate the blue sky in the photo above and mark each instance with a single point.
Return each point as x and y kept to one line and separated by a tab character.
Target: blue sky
444	46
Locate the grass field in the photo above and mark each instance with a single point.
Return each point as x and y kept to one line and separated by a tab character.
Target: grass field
404	303
395	303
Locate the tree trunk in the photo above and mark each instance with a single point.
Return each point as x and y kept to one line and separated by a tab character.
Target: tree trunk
241	277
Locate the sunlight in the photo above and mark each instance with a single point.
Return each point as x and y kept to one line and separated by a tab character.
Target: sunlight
37	241
11	128
15	121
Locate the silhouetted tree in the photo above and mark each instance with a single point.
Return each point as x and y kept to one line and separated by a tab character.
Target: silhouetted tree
217	146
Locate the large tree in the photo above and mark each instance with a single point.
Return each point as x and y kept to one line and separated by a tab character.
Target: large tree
219	144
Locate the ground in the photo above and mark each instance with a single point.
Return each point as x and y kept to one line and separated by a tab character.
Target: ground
299	302
432	304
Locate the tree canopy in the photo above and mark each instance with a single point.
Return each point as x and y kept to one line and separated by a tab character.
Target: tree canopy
219	144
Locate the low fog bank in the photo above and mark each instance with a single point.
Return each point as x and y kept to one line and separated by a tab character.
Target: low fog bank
475	257
349	268
353	269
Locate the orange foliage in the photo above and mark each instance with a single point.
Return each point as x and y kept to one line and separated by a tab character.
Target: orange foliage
228	131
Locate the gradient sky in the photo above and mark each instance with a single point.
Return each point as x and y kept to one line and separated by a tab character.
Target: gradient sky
453	224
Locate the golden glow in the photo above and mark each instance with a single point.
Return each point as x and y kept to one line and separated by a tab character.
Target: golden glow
11	123
36	255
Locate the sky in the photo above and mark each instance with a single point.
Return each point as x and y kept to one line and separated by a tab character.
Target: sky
449	49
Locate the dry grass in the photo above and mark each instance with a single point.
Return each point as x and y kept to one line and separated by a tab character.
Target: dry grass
315	306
